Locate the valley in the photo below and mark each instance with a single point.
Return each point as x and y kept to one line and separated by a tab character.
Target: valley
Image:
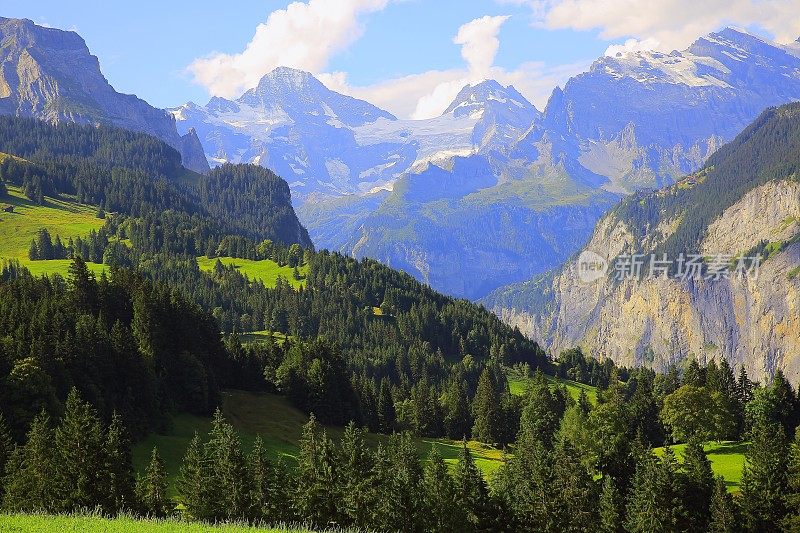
292	306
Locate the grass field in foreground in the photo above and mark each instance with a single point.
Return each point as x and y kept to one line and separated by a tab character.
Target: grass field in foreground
518	384
727	460
265	271
96	524
61	217
279	424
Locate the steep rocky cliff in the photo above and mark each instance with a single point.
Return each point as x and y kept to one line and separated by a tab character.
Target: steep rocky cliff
49	74
745	202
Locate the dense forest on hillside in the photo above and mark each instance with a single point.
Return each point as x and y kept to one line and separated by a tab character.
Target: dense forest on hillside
137	175
90	363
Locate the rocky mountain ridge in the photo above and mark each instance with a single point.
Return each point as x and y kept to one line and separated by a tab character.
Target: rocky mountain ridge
751	320
49	74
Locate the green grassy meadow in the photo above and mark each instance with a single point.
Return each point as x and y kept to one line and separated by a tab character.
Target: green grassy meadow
98	524
279	424
727	460
59	216
265	271
518	384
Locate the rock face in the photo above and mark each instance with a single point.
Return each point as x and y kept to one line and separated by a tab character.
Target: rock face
749	320
493	192
49	74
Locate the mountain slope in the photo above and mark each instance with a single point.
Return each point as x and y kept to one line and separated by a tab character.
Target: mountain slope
744	202
49	74
493	192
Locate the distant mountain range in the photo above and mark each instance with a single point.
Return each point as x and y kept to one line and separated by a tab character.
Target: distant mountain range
493	191
743	203
49	74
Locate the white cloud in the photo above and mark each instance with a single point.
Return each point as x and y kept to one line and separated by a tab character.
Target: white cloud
632	45
479	42
303	36
479	46
428	94
673	24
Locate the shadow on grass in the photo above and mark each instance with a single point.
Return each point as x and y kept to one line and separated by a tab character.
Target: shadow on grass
732	448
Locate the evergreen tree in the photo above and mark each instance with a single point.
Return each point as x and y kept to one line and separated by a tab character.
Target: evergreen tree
228	484
486	409
610	503
33	252
655	503
84	290
6	449
386	412
764	478
472	494
354	473
542	413
120	482
81	444
443	512
576	505
722	510
193	480
31	484
317	495
792	521
152	488
457	419
699	484
404	506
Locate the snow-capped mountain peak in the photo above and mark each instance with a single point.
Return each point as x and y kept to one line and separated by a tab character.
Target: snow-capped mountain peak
487	93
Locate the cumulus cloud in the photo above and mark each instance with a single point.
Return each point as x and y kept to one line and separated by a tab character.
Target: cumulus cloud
479	46
428	94
632	45
303	36
479	42
668	24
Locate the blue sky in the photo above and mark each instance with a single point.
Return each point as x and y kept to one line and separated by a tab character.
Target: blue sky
400	54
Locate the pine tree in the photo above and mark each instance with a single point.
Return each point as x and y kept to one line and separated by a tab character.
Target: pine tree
472	493
443	511
542	413
699	484
6	449
228	483
81	444
405	507
722	510
261	492
354	477
792	521
610	517
764	479
193	480
152	488
82	282
31	483
486	409
33	252
386	412
317	495
655	503
577	505
120	482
